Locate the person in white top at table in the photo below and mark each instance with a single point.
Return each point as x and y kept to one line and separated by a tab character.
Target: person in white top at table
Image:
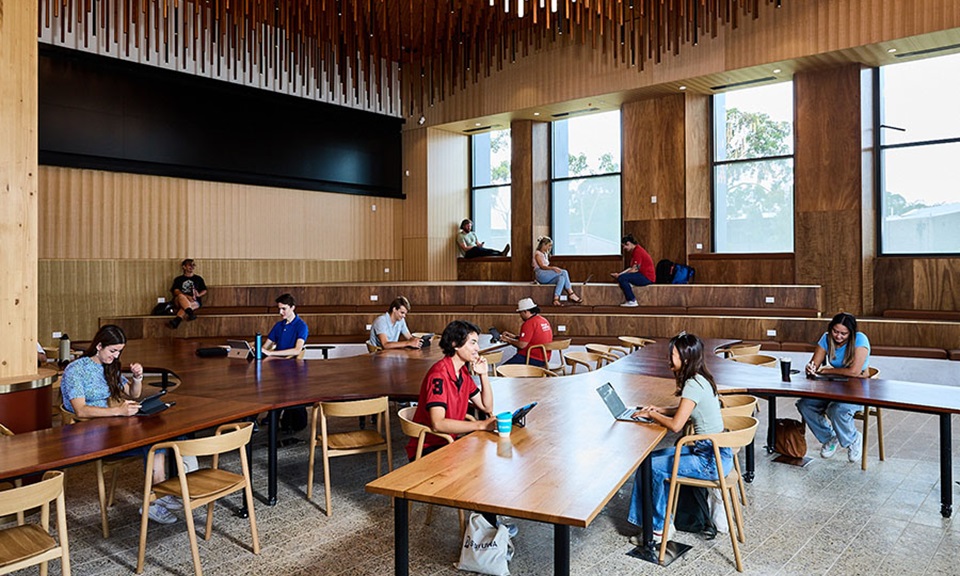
389	330
547	274
832	422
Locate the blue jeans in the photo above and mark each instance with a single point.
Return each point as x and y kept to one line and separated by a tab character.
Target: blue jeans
561	279
815	413
695	462
635	278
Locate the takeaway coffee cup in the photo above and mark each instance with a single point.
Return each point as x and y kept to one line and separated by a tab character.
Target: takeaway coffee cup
785	369
504	423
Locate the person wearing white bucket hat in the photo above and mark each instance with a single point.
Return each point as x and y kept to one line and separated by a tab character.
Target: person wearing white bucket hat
534	330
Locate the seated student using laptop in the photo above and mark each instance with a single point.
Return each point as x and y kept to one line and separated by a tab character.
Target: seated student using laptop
390	330
287	336
93	387
843	359
700	403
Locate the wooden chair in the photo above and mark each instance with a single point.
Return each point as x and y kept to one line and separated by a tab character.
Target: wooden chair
347	443
635	343
523	371
420	432
589	360
864	416
104	466
738	405
739	350
201	487
25	545
619	351
371	349
4	431
738	432
756	360
556	346
493	360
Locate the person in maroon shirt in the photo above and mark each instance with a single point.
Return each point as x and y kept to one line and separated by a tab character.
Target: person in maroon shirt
640	272
448	388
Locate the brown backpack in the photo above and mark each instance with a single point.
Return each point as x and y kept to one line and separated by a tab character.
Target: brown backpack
791	439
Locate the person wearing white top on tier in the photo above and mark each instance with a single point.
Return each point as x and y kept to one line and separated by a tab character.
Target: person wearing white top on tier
547	274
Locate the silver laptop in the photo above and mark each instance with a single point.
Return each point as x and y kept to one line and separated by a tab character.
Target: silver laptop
616	406
239	349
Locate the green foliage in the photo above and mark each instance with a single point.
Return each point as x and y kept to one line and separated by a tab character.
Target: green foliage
897	205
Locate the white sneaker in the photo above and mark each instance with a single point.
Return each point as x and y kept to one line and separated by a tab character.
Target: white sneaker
630	304
159	514
829	448
170	502
855	449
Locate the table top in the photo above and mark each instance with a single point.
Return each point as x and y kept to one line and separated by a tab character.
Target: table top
562	468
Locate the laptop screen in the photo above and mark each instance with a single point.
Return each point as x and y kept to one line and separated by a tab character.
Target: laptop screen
612	399
238	344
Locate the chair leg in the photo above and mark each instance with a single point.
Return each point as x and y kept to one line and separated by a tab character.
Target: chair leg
740	482
192	534
144	518
429	516
463	522
326	480
102	494
866	433
113	485
313	450
671	503
253	519
732	522
209	527
880	431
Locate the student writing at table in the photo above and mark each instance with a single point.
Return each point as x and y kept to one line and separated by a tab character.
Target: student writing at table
535	330
390	330
700	404
832	422
93	387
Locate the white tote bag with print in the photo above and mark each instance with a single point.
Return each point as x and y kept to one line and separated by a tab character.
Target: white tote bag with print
486	549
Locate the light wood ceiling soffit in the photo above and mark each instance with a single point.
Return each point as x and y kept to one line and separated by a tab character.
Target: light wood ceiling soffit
442	46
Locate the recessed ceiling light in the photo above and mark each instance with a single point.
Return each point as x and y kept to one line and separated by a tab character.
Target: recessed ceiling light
891	50
776	70
477	124
536	113
683	88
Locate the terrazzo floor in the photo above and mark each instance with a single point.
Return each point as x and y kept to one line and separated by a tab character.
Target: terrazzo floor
827	518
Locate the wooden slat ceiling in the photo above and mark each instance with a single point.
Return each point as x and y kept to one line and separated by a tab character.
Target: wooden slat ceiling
441	45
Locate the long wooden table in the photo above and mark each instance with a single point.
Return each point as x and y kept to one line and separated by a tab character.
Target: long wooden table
942	401
561	469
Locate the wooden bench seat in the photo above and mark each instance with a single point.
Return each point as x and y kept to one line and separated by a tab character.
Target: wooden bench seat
735	311
944	315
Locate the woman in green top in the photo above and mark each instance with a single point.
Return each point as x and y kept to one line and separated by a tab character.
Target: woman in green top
700	404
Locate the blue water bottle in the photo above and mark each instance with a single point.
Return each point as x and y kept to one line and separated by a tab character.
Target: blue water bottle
258	349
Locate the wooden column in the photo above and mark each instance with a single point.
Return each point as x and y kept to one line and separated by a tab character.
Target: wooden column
529	193
666	157
436	168
18	188
829	185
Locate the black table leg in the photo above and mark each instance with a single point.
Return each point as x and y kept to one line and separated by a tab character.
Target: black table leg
946	466
273	423
561	550
401	537
771	424
750	458
648	551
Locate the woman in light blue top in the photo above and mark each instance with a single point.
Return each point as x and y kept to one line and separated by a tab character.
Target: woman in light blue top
700	404
832	422
547	274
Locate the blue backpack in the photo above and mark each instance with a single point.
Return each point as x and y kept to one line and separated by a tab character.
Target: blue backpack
669	272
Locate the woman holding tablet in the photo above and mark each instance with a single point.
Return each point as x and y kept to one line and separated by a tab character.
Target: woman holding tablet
844	351
700	404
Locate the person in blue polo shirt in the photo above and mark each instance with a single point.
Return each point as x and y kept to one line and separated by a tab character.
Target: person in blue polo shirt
287	336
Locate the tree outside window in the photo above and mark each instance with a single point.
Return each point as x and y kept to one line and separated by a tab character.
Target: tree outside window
491	186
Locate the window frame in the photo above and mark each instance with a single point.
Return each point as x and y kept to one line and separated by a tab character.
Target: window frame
474	187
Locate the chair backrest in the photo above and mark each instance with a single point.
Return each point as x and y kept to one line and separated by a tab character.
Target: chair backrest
873	372
493	359
417	430
353	408
741	349
605	349
228	437
589	360
68	417
635	342
523	371
32	495
557	345
372	349
4	431
738	431
738	404
756	360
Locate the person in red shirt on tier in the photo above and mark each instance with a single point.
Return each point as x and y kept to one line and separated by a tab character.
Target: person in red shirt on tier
640	272
448	388
534	330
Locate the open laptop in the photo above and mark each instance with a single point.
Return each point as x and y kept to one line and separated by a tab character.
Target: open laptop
239	349
494	335
616	406
153	404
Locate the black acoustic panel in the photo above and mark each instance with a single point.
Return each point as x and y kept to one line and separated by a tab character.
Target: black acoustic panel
102	113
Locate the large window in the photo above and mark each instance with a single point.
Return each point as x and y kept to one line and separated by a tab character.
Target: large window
920	157
753	169
491	187
586	185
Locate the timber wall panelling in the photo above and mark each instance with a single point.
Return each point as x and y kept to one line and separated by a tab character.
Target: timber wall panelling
18	189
